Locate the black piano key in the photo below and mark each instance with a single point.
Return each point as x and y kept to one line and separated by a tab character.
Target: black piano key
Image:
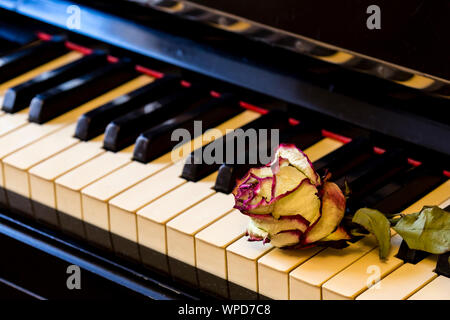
410	255
19	97
229	173
405	189
7	46
94	122
157	140
30	56
196	169
18	34
75	92
302	135
443	265
398	194
124	130
344	158
373	172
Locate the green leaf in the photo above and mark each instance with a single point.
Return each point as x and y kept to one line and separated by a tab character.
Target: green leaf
427	230
376	223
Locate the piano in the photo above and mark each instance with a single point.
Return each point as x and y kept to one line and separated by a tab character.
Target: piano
91	92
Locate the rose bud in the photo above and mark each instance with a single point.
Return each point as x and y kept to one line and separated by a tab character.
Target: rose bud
288	204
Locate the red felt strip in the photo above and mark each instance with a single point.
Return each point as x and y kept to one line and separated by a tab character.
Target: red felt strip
378	150
253	108
112	59
336	136
185	83
149	72
414	163
215	94
44	36
293	122
77	47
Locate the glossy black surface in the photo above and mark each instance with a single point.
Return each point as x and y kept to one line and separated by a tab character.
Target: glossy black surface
411	29
302	135
20	96
29	57
134	272
371	173
403	188
94	122
195	168
360	99
13	34
73	93
158	140
109	266
338	161
410	255
443	265
102	274
124	130
6	46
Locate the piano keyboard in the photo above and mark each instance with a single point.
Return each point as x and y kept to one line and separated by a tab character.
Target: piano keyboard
75	139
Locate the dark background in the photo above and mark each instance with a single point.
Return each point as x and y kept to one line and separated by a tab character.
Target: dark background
414	33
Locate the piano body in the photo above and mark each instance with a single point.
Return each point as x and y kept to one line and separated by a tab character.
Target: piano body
92	90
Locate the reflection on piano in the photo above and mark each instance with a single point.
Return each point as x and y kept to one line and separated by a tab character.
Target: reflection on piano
87	176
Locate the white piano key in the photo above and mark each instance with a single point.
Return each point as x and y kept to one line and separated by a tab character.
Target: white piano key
402	282
32	132
122	209
16	166
182	229
438	289
10	122
245	252
305	282
33	143
352	281
96	196
363	273
69	186
3	199
211	242
242	262
152	218
42	176
274	268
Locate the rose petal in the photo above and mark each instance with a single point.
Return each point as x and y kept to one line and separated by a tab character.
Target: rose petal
332	212
273	226
339	234
286	238
298	159
287	179
256	233
301	201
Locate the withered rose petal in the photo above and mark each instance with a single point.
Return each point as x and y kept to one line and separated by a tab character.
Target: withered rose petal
287	179
302	201
273	226
333	210
339	234
286	238
282	199
298	159
256	233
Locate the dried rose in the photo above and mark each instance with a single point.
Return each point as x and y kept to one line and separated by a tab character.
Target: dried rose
288	203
